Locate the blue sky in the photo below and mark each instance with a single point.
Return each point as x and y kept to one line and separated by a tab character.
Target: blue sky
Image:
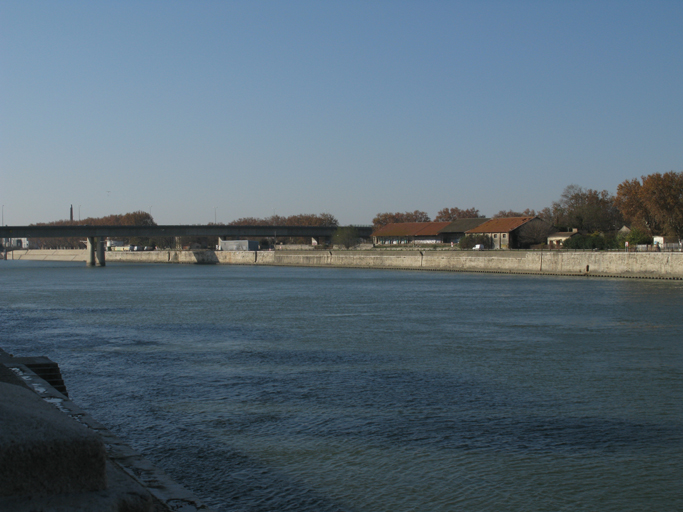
233	109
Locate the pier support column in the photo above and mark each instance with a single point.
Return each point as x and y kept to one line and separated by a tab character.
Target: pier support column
101	253
95	252
90	259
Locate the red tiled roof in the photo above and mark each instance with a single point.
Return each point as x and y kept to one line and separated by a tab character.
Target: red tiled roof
399	229
432	228
462	225
411	229
502	225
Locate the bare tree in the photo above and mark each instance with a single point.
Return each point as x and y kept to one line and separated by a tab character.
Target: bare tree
533	233
449	214
512	213
586	209
382	219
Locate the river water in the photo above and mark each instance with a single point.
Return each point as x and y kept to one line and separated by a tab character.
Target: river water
277	388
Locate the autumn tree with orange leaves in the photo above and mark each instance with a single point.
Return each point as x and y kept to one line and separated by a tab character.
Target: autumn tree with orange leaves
139	218
654	203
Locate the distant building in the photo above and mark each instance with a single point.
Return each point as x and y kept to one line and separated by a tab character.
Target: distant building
15	243
402	233
457	229
505	231
237	245
624	231
558	238
665	241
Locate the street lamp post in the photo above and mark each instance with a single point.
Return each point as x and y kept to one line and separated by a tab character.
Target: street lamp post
79	213
214	214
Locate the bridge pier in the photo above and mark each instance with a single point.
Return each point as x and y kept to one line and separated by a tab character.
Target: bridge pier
96	252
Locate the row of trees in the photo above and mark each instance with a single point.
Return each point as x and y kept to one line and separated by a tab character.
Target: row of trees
305	219
138	218
444	215
653	205
141	218
580	208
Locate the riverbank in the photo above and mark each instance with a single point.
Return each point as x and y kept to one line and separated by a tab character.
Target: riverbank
55	456
662	265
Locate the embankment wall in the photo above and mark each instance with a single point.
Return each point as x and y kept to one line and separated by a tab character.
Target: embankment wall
621	264
48	255
618	264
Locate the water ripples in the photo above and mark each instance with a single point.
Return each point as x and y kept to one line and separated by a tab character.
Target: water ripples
349	390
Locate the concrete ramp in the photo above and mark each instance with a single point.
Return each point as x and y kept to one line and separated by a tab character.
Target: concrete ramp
54	457
43	451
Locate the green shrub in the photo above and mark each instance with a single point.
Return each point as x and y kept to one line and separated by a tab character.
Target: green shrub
638	237
346	236
593	241
469	241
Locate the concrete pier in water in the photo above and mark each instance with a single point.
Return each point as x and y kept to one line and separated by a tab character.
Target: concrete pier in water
96	252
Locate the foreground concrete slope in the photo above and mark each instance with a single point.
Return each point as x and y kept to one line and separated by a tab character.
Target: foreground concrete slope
55	457
42	451
48	462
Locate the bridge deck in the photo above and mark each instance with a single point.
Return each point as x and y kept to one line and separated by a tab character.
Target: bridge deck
172	231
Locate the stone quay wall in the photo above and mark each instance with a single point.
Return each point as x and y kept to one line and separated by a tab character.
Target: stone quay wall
618	264
662	265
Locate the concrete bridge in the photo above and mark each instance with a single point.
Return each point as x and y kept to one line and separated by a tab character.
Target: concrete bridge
97	234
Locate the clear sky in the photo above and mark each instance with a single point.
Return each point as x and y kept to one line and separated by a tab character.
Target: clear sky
228	109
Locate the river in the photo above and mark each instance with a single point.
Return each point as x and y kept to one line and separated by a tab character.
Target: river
309	389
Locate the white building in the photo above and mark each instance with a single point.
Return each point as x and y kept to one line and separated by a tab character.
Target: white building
15	243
